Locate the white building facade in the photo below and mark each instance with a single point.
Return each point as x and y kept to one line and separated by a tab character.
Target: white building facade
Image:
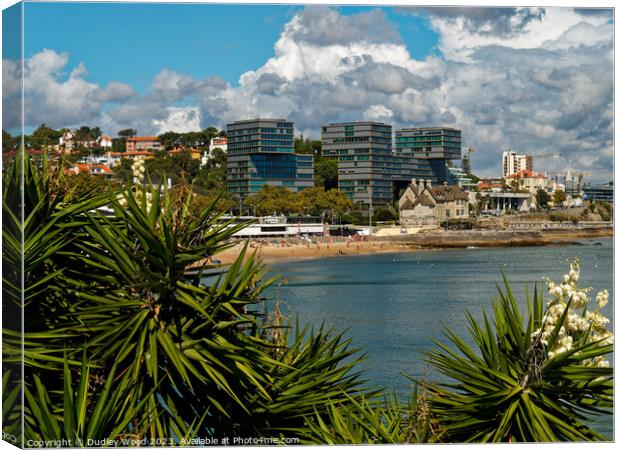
514	163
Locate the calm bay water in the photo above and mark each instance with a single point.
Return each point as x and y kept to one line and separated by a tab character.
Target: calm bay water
394	305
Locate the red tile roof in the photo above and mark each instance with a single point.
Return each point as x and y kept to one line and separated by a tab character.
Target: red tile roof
489	185
132	153
143	138
526	173
88	168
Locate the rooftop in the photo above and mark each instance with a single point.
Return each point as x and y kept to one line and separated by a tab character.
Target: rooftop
526	173
258	119
143	138
365	122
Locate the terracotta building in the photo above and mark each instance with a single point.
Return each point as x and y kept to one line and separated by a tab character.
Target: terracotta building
138	143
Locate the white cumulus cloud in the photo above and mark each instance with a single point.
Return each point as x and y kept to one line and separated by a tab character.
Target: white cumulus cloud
539	80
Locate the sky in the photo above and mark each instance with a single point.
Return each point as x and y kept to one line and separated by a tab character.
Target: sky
537	80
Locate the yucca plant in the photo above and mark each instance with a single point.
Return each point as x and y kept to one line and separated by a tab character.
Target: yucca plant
86	416
49	229
374	420
38	226
533	379
126	291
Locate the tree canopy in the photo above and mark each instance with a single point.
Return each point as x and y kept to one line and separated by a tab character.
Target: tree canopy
314	201
559	197
542	198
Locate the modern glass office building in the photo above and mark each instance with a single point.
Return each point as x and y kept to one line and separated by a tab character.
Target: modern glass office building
599	193
260	152
435	144
367	165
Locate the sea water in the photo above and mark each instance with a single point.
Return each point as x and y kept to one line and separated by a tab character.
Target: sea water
394	305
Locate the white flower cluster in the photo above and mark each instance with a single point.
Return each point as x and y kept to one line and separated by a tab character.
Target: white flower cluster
579	324
137	169
138	194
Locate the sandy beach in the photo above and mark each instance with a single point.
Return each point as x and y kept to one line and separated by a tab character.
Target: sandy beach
323	247
283	251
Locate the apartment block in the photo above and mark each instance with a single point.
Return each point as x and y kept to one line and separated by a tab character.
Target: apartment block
260	152
368	168
437	145
514	163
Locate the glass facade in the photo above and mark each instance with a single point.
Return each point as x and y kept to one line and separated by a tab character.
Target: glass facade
429	143
261	152
368	167
436	145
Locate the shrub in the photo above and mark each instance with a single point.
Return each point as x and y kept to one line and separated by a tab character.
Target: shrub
117	303
353	217
532	379
385	215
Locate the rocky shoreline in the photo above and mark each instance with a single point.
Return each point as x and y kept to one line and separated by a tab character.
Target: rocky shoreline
496	238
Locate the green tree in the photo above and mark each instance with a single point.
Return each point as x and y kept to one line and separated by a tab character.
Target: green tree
85	134
385	215
170	139
44	136
118	145
326	172
184	167
160	167
212	176
9	143
330	204
274	200
307	146
127	132
559	197
542	198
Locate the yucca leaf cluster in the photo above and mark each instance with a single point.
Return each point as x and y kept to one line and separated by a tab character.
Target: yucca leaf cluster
533	379
124	340
133	336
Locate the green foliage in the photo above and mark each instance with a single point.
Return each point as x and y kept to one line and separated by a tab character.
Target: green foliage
274	200
9	143
118	302
508	390
326	172
85	417
385	215
315	201
195	139
559	197
307	146
127	132
542	199
372	421
85	133
354	217
44	136
118	145
212	176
